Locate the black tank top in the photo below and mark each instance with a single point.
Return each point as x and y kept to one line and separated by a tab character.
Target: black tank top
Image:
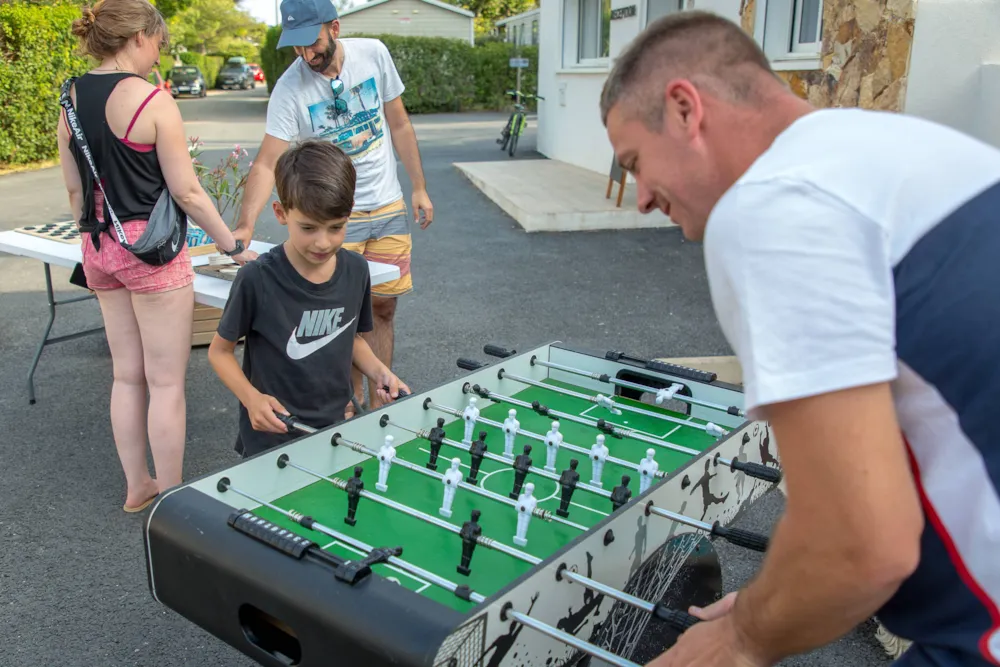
132	178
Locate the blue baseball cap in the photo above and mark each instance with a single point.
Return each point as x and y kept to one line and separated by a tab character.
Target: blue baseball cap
301	21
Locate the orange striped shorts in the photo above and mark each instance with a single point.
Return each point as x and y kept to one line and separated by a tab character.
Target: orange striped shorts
383	235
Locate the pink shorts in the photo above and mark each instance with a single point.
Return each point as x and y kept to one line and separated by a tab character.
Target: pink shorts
114	267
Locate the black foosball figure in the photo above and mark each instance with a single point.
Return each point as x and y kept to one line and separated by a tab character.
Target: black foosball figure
354	487
621	494
477	451
568	481
436	437
470	531
522	464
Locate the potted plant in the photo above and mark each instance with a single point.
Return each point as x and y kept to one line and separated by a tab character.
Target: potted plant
224	184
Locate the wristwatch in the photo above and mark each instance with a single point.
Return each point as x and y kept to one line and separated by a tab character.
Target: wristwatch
235	251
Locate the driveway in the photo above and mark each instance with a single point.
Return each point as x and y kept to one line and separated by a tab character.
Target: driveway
73	588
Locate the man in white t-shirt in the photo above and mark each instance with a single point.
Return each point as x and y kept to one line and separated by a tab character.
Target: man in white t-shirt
347	91
853	259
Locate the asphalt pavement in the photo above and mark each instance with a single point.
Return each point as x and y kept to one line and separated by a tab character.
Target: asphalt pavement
73	587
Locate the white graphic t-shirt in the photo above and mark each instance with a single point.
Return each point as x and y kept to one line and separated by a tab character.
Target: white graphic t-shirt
302	106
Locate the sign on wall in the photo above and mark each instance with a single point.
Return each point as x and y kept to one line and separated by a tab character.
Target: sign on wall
623	12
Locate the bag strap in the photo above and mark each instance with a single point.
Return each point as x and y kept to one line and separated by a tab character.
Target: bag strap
67	104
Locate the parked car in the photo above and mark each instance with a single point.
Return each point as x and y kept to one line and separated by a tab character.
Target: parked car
258	73
187	80
236	75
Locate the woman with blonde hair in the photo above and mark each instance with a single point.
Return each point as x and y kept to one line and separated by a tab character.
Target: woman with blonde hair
138	146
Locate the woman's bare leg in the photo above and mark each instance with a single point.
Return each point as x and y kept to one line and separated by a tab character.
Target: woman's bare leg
128	393
165	325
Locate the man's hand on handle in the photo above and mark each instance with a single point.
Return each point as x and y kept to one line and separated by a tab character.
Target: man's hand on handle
715	642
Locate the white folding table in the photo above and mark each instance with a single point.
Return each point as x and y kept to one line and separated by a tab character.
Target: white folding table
207	290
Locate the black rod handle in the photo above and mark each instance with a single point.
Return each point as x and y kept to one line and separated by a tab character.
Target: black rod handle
758	471
497	351
469	364
678	620
740	537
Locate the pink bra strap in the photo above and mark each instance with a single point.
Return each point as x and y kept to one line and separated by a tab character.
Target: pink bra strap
139	111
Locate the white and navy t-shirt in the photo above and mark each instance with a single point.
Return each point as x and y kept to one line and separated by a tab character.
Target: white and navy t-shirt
299	338
302	107
864	247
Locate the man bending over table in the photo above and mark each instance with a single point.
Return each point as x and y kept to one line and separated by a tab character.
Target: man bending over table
852	259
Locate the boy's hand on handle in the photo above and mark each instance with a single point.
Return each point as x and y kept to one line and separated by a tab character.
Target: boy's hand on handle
390	386
262	408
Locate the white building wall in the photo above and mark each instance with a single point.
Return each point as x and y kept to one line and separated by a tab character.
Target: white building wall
953	77
569	119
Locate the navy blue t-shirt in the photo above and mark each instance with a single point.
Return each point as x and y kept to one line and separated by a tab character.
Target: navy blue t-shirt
299	338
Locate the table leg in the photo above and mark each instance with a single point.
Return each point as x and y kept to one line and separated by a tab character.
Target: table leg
48	328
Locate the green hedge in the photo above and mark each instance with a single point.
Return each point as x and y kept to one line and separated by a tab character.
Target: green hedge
37	53
440	74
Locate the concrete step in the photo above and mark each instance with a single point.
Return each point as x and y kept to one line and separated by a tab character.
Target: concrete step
553	196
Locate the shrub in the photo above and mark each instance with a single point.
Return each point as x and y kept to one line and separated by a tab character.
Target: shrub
37	53
440	74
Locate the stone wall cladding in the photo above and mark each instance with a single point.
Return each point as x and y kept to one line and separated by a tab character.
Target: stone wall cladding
866	54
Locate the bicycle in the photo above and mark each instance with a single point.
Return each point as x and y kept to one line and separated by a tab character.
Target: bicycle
516	123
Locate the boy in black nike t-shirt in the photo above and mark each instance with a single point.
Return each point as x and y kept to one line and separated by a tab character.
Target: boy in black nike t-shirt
300	307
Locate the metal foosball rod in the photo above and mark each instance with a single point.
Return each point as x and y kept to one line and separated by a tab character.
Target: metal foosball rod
750	469
710	428
509	614
736	536
544	515
462	591
493	457
487	542
502	353
625	384
676	619
540	438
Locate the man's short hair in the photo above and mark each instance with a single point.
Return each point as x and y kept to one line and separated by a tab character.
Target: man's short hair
712	52
316	178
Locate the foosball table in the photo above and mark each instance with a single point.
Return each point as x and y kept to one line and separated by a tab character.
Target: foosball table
553	507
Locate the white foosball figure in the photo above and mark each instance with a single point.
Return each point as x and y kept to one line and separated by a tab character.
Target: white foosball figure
667	393
647	470
470	415
608	404
452	477
553	439
510	428
598	455
526	503
386	454
712	429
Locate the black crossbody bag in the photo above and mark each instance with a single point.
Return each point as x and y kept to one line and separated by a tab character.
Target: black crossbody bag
166	229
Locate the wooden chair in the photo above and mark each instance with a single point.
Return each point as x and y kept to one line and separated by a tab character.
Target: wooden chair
617	174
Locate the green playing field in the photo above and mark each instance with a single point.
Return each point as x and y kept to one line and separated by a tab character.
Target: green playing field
438	550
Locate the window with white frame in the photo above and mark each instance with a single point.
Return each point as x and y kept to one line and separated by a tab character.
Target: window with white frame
791	32
658	8
594	30
586	34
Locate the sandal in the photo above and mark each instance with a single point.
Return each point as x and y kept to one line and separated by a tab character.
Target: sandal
133	510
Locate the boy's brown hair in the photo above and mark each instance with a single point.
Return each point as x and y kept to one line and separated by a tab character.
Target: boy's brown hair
316	178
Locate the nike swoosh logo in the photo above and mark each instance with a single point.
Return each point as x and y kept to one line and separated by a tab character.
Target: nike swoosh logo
296	350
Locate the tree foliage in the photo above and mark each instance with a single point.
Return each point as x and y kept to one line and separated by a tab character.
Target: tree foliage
488	12
215	26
